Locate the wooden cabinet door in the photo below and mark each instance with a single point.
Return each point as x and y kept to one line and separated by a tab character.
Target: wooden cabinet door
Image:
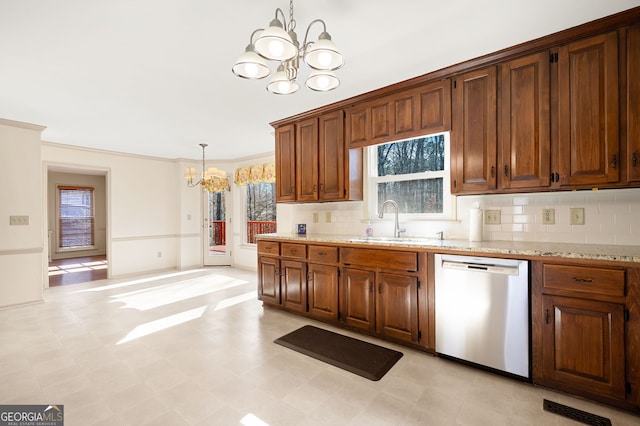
405	115
286	163
473	136
583	345
331	157
357	308
633	104
397	306
307	160
433	107
323	291
269	280
294	285
525	160
588	111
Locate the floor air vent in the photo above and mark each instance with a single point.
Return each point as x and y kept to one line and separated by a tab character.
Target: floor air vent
575	414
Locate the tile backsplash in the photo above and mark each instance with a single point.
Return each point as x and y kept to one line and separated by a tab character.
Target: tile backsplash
610	217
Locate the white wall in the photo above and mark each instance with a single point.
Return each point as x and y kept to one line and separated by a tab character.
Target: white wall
143	207
21	247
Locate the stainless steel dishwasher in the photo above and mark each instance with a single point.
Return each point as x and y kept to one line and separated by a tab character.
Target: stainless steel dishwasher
482	312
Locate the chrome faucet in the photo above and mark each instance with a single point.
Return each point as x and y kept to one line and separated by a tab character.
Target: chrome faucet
397	230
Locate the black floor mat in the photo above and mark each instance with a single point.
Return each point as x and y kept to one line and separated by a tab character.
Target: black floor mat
575	414
361	358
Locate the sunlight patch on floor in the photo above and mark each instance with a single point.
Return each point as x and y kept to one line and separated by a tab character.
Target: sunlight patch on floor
163	324
154	297
231	301
139	281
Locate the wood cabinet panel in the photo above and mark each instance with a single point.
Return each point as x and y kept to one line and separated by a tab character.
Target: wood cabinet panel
307	160
588	111
525	139
583	344
474	134
633	104
407	261
323	291
331	157
294	285
323	253
593	281
433	107
294	250
285	151
269	247
357	297
397	306
269	280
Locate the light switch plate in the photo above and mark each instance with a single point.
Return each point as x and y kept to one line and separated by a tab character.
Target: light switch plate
548	216
18	220
492	217
577	216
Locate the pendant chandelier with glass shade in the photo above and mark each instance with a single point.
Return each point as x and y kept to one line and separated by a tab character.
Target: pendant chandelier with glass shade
280	43
208	178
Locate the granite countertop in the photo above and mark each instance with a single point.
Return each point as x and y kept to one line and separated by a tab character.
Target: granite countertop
617	253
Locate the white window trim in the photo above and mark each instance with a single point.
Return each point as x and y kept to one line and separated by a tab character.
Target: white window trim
448	204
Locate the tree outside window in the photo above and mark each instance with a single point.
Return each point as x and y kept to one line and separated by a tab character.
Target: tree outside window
261	210
414	173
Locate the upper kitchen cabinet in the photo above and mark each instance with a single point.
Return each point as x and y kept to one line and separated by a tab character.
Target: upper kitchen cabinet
416	112
524	138
286	163
313	164
588	145
473	134
307	160
633	104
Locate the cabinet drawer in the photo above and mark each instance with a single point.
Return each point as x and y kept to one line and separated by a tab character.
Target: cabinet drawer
293	250
323	253
602	281
404	260
268	247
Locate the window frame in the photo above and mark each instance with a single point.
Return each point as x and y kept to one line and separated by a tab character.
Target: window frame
448	199
245	206
59	231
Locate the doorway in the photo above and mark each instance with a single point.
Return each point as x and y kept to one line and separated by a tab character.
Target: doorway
217	232
77	225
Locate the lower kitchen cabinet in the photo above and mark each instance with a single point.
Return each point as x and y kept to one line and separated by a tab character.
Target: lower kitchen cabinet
269	280
397	306
323	291
294	285
583	343
357	308
579	321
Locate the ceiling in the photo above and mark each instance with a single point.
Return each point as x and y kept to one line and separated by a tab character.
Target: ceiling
153	77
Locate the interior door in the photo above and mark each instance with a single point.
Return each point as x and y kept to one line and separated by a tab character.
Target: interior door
216	230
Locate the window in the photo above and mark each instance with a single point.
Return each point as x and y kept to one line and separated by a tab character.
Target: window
261	210
415	174
76	221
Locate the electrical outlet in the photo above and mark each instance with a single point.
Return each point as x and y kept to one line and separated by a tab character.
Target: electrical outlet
315	217
548	216
18	220
492	217
159	254
577	216
327	217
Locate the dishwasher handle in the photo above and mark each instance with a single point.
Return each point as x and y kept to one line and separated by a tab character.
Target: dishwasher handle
492	269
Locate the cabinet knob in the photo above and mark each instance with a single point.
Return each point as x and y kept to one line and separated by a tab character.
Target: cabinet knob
546	316
506	171
634	159
582	280
614	161
493	171
322	187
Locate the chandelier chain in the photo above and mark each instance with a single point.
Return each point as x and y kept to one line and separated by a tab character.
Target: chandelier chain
292	22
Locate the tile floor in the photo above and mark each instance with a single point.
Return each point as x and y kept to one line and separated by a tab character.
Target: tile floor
196	348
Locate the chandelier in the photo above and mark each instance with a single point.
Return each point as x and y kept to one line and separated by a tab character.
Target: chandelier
280	43
208	179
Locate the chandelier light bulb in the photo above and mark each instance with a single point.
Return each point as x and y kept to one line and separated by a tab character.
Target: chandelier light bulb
322	81
276	48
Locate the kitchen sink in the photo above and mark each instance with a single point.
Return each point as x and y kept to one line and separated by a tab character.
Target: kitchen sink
396	240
